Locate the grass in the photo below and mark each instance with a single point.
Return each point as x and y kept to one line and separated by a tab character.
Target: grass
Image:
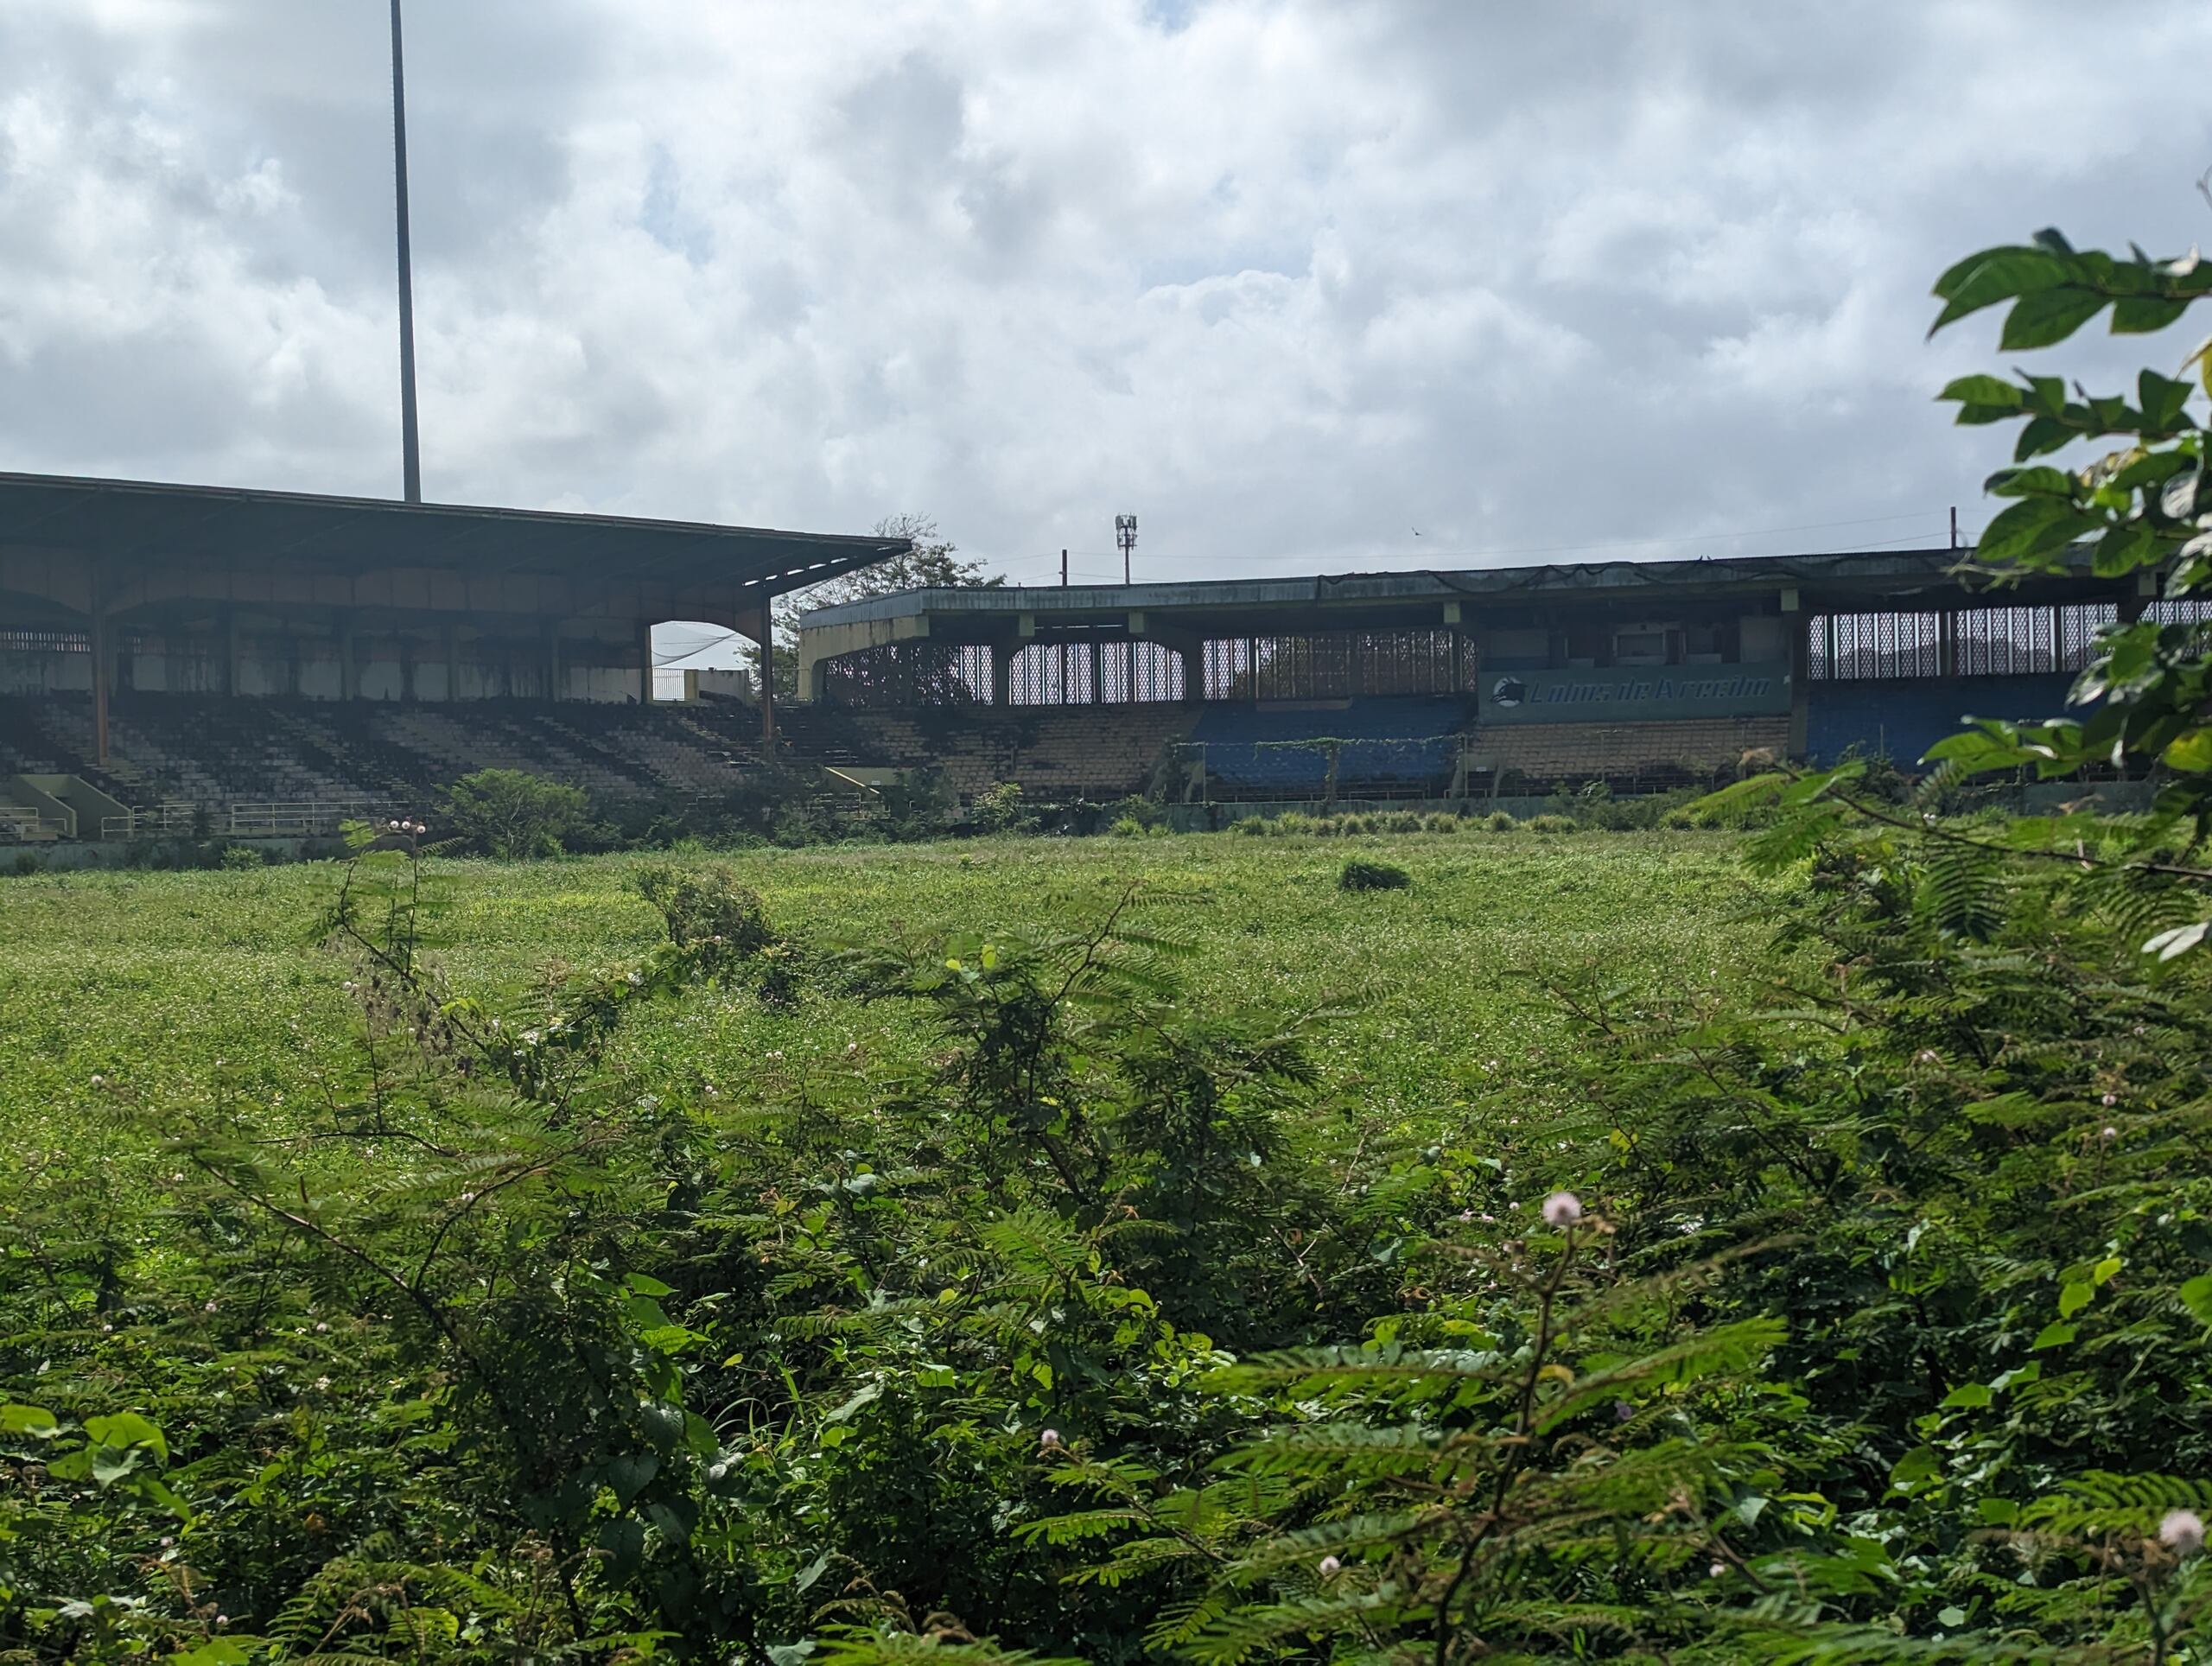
192	986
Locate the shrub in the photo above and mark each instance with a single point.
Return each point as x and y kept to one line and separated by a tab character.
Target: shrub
1499	821
1442	822
1372	876
1252	827
1294	821
1000	810
1551	823
239	857
707	905
1126	827
1399	821
510	813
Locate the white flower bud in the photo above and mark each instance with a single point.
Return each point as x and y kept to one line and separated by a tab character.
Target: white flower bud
1562	1209
1049	1439
1329	1568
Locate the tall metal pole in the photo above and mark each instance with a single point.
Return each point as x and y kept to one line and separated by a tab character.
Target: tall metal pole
410	438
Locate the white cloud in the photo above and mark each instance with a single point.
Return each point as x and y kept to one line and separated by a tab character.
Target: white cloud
1286	279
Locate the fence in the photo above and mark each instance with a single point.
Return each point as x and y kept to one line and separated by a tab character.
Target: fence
297	820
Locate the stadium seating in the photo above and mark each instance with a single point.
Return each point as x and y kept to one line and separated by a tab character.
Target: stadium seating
1052	752
1396	748
187	750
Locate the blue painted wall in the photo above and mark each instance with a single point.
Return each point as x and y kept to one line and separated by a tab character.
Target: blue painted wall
1902	720
1406	727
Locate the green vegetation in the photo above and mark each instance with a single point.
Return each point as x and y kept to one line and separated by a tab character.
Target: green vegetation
1658	1248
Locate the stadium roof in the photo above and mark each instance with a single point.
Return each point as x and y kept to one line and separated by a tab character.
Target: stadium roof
1837	579
135	522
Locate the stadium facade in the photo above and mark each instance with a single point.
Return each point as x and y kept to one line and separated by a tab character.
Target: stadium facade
266	662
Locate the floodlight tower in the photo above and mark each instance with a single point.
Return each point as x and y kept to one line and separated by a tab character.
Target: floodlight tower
1125	534
410	439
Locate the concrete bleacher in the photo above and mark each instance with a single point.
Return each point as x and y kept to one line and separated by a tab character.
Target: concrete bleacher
1052	753
1685	752
182	750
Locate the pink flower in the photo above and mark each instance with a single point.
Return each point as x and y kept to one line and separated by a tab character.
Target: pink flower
1049	1439
2182	1531
1562	1209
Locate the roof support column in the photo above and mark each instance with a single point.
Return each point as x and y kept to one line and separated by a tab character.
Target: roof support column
1002	655
233	680
453	663
103	671
645	664
759	623
1795	626
553	659
349	674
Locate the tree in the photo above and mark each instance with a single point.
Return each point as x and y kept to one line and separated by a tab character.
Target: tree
934	562
2142	512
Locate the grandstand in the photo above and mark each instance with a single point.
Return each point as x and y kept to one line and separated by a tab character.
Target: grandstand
269	663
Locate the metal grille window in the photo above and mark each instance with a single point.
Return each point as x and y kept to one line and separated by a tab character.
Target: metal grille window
1337	665
1862	647
1961	642
1095	673
45	642
912	674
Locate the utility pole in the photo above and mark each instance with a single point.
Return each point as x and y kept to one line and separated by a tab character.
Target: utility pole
1063	570
1125	534
410	438
1954	526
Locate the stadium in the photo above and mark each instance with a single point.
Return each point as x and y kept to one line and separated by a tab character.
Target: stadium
259	665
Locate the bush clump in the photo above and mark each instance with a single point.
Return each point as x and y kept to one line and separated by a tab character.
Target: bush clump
510	813
1372	876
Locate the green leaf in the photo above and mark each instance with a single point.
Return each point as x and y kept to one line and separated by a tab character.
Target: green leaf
2033	525
2196	1296
1992	276
873	1392
629	1475
2161	396
2048	316
1968	1396
2139	314
28	1420
2057	1333
2190	751
2075	1297
127	1428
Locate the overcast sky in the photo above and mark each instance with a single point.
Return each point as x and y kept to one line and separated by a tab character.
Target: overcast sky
1288	280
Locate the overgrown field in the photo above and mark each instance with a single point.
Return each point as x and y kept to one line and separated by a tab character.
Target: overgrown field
1432	1249
186	985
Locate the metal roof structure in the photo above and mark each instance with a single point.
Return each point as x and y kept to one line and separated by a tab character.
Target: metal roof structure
1839	579
133	523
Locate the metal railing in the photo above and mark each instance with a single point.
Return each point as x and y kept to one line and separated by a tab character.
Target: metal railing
297	819
20	825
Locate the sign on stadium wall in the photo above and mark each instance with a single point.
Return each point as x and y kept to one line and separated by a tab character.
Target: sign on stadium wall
1632	694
